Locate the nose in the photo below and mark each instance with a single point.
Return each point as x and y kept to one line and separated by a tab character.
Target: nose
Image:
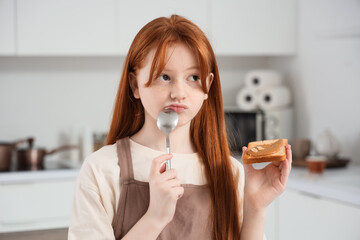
178	90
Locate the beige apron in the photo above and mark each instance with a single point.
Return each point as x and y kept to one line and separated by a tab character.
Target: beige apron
191	220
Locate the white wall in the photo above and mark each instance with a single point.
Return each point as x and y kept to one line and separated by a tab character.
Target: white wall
46	97
325	74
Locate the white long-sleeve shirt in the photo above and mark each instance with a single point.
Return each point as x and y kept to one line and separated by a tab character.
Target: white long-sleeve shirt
98	188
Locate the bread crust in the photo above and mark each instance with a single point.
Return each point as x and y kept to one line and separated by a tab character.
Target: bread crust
279	155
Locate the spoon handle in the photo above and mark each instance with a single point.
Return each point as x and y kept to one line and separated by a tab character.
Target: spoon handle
168	162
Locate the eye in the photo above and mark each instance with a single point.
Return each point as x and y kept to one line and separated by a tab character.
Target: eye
194	78
164	77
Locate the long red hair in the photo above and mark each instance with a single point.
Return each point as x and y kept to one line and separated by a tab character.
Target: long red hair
208	133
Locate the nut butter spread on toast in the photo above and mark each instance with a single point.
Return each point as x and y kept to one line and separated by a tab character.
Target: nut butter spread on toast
265	149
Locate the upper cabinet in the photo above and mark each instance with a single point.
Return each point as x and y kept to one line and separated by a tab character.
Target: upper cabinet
133	15
254	27
66	27
7	27
107	27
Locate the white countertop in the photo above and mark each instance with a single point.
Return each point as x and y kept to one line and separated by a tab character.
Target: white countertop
54	172
339	184
35	176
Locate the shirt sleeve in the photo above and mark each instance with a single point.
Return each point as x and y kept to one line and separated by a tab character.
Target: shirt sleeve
89	219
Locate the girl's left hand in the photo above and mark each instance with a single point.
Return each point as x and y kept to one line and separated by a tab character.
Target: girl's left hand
262	186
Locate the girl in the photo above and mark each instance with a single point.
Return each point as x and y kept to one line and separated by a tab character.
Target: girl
123	190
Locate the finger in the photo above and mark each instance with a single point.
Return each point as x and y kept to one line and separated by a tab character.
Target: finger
277	163
178	192
286	165
247	167
289	153
243	150
156	163
169	174
284	172
173	183
163	167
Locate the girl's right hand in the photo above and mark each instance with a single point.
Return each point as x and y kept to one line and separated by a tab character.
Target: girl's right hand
165	190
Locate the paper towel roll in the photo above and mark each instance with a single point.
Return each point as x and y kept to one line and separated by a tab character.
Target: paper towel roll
274	98
247	99
261	79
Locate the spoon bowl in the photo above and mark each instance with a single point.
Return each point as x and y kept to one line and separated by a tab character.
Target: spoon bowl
166	122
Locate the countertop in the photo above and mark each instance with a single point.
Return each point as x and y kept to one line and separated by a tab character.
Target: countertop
53	172
339	184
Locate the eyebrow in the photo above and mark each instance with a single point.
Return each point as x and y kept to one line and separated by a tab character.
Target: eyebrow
189	68
194	67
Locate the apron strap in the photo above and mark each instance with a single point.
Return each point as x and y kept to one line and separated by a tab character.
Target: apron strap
124	160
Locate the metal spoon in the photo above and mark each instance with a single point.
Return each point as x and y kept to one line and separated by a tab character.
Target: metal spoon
166	122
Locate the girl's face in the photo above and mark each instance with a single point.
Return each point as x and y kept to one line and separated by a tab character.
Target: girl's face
178	87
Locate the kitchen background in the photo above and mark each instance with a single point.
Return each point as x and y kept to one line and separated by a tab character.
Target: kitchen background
51	94
45	96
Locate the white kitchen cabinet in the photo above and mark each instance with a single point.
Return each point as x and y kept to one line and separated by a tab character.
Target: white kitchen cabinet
133	15
308	217
271	224
107	27
7	27
254	27
52	27
35	205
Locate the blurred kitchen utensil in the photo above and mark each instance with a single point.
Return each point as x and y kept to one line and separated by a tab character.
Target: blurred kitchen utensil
166	122
316	164
327	144
33	158
6	152
300	148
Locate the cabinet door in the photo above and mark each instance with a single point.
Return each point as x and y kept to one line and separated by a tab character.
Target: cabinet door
307	217
36	205
271	224
7	27
52	27
133	15
254	27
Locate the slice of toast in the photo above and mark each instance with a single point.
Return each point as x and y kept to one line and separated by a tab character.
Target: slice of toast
265	151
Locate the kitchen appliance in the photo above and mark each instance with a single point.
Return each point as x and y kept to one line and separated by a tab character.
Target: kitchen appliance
243	127
279	124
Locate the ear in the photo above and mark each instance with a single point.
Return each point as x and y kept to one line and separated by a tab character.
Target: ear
209	81
134	85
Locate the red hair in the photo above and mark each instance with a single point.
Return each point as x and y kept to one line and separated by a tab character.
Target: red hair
208	133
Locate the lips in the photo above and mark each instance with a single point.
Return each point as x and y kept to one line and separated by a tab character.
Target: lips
177	107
